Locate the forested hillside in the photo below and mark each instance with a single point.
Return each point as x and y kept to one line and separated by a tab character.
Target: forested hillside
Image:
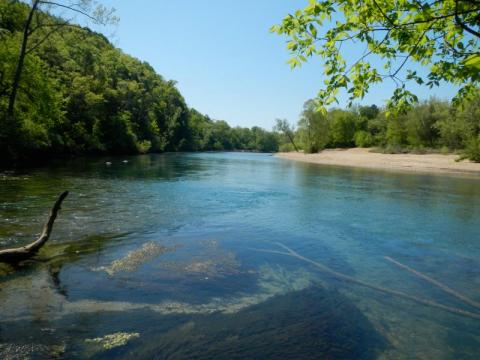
79	94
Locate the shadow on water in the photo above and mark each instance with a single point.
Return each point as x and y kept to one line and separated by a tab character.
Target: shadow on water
27	193
309	324
312	323
164	167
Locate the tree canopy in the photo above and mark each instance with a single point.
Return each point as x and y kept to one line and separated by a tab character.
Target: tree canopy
78	94
430	126
442	35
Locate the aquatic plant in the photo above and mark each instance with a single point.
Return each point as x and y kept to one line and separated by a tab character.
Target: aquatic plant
209	261
6	269
31	351
272	281
114	340
135	258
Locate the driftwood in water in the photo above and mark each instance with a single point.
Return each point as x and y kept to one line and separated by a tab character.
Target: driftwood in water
25	252
437	283
396	293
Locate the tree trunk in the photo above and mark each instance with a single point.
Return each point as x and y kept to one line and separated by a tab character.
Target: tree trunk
25	252
293	143
21	59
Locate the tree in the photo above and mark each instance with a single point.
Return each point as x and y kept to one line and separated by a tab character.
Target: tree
38	22
286	129
264	141
79	94
369	112
441	35
421	123
313	128
342	128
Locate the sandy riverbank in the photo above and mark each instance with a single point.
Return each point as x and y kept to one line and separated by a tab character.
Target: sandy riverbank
358	157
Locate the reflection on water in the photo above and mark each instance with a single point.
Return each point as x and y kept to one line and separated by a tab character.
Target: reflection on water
154	257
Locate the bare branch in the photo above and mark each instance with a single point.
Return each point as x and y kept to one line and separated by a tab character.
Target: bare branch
415	47
49	33
462	24
72	8
25	252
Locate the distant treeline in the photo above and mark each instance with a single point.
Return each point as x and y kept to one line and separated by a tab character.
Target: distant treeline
80	95
431	125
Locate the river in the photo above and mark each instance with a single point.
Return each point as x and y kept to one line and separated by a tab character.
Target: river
178	256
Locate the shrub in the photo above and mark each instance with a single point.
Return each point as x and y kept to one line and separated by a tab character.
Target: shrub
472	149
363	139
143	146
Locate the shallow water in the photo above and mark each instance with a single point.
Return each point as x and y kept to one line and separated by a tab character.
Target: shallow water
167	256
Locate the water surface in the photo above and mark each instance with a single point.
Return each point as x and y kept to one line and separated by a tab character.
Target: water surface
167	256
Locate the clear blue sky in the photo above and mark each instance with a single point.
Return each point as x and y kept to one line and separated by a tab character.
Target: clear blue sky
226	62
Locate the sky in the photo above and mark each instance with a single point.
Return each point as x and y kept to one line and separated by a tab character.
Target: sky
226	62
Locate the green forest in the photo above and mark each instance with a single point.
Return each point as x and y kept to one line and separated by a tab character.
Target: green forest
79	94
391	39
432	125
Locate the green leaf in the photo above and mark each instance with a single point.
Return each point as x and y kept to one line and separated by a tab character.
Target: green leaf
292	46
473	61
313	30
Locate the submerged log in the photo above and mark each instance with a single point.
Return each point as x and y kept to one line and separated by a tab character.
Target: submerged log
436	283
347	278
16	255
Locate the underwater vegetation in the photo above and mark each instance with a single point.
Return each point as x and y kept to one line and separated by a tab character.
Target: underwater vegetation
111	341
272	280
29	351
135	258
53	312
313	323
203	259
183	274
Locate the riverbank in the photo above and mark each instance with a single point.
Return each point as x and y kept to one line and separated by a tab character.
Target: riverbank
364	158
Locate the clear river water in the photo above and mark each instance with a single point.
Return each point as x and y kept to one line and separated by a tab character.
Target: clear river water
239	255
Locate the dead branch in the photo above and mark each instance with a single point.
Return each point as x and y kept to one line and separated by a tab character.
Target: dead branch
25	252
395	293
436	283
